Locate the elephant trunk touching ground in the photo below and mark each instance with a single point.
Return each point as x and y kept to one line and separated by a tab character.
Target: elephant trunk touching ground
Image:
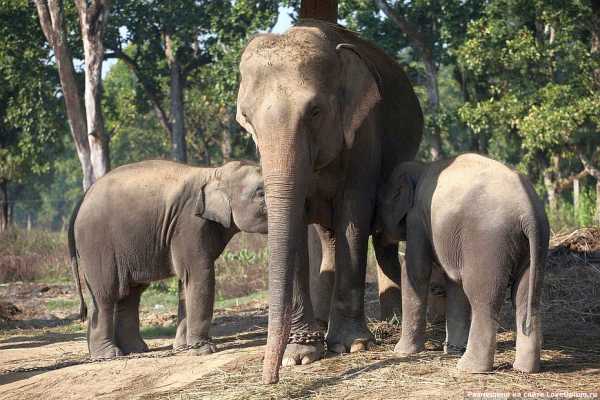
286	196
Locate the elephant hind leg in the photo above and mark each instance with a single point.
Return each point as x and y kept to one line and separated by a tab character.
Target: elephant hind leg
101	340
129	338
486	296
458	319
527	357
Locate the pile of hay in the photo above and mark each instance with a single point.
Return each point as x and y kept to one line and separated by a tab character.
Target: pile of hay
572	279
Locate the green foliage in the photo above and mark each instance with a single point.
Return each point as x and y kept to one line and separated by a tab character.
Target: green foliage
30	112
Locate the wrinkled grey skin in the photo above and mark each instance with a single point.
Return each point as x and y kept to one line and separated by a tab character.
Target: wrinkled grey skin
151	220
485	226
323	107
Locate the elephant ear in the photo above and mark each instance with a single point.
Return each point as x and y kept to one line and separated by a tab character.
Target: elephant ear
360	90
400	199
213	204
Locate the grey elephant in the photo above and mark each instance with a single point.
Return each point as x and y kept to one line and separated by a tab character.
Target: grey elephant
323	107
151	220
484	225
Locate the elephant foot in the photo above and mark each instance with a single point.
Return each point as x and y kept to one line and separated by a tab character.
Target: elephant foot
106	352
454	350
473	365
528	365
138	346
201	348
348	335
408	346
302	354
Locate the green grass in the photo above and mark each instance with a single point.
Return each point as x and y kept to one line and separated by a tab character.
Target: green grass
62	304
157	331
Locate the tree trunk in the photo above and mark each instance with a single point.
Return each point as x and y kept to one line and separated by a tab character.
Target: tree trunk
178	145
576	195
3	205
550	190
92	20
319	9
51	17
433	105
597	216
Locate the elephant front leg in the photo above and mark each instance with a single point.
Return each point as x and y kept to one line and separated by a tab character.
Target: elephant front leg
306	342
348	329
321	250
416	273
199	303
181	334
388	278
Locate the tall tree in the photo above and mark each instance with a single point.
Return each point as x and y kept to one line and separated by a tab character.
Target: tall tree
167	42
52	20
537	58
431	29
30	114
93	17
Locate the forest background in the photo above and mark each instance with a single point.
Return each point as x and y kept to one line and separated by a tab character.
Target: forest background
86	86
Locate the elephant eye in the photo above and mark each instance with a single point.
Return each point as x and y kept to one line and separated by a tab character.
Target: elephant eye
260	193
315	111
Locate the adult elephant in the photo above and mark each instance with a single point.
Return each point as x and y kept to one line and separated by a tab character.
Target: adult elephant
331	115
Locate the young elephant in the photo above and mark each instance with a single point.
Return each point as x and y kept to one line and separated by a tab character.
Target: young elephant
151	220
484	225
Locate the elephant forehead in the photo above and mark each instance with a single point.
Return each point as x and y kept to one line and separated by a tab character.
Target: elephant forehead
305	57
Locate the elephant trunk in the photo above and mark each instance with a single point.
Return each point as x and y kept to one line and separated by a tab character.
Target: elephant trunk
286	222
286	188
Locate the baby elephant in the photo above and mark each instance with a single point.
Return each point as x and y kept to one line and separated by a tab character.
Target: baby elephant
484	225
151	220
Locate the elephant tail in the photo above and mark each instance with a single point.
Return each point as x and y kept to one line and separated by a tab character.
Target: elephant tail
538	247
74	261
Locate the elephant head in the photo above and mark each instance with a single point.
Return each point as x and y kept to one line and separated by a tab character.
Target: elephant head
235	195
303	96
396	197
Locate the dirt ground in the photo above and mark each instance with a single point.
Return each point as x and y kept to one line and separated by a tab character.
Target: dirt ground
43	354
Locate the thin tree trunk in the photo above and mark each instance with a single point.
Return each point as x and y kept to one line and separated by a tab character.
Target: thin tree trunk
3	205
92	20
319	9
433	105
576	195
597	216
51	17
178	145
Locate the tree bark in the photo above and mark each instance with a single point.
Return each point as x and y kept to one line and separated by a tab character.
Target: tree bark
3	205
178	144
51	18
319	9
576	195
93	16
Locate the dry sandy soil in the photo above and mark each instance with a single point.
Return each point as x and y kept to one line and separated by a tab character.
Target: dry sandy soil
43	355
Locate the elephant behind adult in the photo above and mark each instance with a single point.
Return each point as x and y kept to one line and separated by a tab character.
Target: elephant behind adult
331	115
